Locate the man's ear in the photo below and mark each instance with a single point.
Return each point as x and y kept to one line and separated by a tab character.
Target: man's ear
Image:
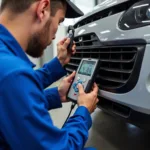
43	9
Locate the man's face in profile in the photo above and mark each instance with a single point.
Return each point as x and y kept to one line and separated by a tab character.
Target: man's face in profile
41	39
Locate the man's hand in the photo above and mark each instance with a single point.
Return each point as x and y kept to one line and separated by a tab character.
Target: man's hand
62	52
89	100
64	86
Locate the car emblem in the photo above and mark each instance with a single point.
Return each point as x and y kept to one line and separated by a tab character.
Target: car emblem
80	39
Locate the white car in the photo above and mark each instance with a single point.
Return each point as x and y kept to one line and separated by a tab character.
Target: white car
117	32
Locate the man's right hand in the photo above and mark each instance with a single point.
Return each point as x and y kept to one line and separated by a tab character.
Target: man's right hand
89	100
62	53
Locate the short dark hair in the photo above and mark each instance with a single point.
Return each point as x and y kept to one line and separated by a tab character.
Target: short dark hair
19	6
55	5
16	6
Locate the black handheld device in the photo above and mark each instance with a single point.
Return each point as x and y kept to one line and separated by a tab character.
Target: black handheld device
85	75
71	36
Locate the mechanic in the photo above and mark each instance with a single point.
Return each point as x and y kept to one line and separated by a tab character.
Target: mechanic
29	26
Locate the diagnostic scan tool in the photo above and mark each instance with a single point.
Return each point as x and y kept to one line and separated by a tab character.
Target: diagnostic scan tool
85	75
71	36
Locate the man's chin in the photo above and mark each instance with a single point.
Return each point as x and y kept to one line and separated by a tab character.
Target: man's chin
37	55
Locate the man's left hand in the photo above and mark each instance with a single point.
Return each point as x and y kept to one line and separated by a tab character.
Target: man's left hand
62	52
64	87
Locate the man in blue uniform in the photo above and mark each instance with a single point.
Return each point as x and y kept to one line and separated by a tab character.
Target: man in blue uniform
29	26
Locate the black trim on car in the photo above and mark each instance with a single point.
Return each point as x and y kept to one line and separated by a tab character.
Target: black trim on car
125	42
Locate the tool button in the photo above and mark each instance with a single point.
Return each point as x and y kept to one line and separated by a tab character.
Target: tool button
76	90
75	87
81	82
78	78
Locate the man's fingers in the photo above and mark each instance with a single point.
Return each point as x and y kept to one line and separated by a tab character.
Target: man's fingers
71	76
97	100
74	47
62	41
95	88
81	89
66	43
73	52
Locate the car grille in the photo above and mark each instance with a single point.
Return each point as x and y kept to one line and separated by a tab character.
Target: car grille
117	62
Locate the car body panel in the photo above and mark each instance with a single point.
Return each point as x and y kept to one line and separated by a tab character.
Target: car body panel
107	30
102	6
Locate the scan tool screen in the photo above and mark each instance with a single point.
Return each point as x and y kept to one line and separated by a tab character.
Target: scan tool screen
87	68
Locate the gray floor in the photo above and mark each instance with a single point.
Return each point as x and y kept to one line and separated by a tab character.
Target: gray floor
108	133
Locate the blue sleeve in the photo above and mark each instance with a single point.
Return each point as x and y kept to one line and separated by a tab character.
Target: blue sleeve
53	98
25	121
50	73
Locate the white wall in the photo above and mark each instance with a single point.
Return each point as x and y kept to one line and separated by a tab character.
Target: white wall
61	33
48	55
84	6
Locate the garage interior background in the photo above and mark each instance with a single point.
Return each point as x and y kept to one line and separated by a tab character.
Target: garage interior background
107	133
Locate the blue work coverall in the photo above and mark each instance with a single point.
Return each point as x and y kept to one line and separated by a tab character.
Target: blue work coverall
25	123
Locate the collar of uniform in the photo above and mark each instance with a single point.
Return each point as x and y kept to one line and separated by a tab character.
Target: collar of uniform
12	44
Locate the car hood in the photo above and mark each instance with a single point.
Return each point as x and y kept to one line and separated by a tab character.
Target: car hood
102	6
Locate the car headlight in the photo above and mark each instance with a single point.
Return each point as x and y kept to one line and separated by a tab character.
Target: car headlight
136	16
